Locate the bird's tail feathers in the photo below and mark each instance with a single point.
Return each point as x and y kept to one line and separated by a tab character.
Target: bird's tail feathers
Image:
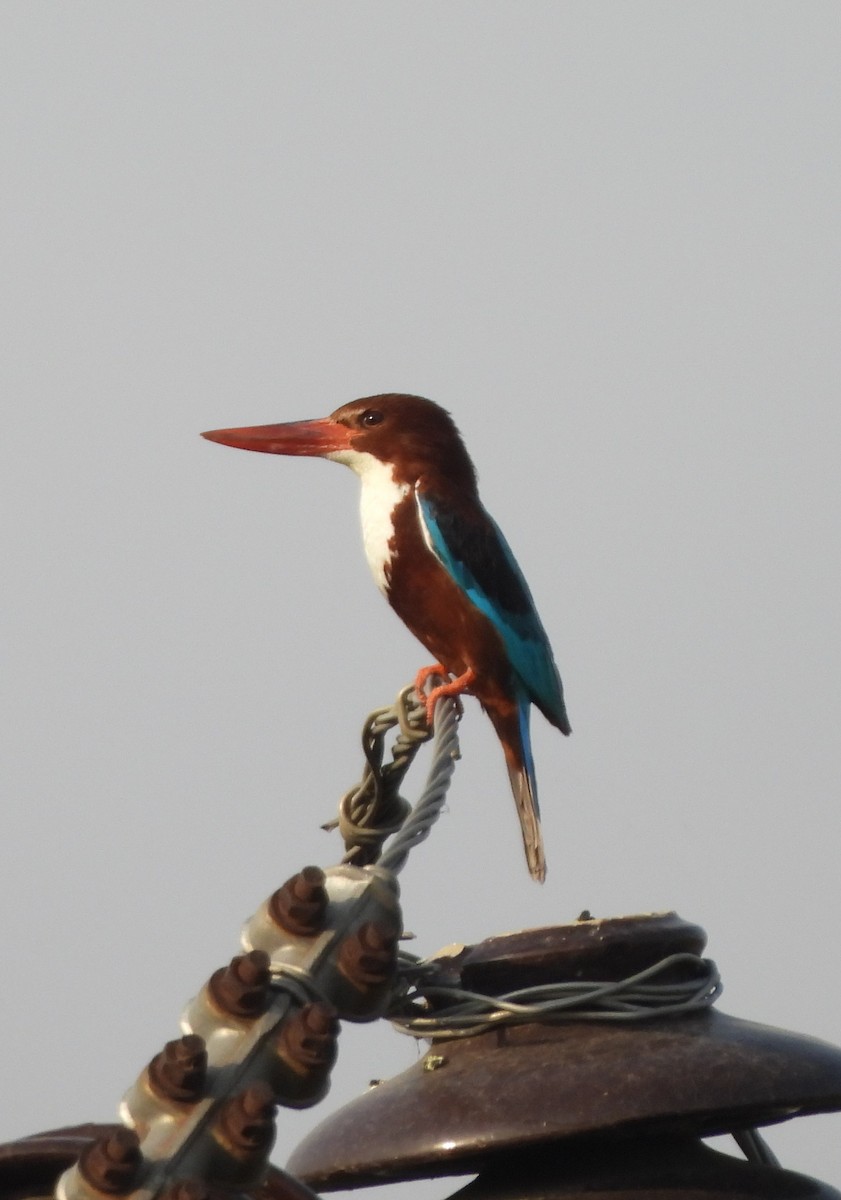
523	715
516	742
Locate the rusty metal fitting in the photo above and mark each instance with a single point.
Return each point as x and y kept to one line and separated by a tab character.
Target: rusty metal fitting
112	1163
244	1124
178	1073
242	988
368	956
307	1040
300	904
242	1133
305	1050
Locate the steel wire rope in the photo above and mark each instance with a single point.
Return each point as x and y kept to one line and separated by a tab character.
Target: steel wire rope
427	810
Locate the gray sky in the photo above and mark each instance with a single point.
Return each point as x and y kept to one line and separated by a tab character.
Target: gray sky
606	237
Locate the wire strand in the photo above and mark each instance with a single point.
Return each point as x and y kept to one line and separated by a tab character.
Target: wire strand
373	810
462	1013
445	754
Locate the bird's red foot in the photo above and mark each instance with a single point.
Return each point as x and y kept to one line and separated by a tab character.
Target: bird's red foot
423	677
453	687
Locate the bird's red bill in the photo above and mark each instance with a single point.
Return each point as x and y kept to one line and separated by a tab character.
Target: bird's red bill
323	436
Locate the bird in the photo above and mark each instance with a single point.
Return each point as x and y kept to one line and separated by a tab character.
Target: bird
444	566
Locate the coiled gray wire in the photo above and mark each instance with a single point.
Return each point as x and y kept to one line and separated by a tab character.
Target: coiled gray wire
636	998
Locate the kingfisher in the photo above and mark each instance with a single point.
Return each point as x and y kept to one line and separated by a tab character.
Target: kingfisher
444	566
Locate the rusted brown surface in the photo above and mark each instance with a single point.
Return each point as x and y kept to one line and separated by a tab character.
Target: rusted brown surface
308	1038
178	1073
300	904
533	1085
586	949
111	1163
31	1166
242	988
245	1123
367	955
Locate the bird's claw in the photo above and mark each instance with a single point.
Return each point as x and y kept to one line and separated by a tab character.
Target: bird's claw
454	688
422	679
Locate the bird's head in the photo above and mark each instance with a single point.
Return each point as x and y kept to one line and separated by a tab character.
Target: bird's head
415	436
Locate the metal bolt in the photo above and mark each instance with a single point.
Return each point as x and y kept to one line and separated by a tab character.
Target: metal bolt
299	905
112	1163
245	1123
367	956
308	1038
242	988
178	1072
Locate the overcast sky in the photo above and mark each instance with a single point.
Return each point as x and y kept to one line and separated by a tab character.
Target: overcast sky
606	237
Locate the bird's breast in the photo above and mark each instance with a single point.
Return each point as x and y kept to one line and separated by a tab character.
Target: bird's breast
381	494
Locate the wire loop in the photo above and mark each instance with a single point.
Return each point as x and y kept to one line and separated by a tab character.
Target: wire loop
373	810
430	1009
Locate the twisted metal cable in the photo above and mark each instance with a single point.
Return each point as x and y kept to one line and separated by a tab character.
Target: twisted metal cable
462	1013
445	753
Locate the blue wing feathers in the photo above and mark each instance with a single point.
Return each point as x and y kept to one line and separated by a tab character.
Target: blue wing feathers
477	556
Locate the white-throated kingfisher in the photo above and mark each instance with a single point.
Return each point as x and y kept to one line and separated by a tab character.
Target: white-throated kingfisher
443	565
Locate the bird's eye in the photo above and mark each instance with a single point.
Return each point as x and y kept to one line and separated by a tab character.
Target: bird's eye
371	416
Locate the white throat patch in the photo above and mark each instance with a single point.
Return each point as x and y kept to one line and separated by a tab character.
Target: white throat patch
380	495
